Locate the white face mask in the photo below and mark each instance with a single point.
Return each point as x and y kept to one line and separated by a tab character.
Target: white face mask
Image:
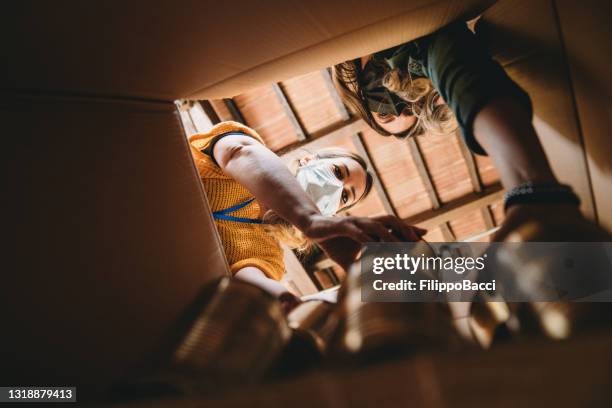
322	186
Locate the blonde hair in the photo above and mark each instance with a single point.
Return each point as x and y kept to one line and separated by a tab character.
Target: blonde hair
418	92
287	233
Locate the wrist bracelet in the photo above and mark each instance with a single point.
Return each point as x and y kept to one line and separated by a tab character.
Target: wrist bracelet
540	193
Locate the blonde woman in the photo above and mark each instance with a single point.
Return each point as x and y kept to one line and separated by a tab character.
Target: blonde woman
445	80
258	203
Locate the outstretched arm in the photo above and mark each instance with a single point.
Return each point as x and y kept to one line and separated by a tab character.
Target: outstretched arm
495	116
493	112
265	175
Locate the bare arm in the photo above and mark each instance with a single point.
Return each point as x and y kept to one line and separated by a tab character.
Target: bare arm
256	277
505	131
265	175
494	114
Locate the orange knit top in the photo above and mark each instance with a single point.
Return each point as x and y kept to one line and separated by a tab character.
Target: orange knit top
245	244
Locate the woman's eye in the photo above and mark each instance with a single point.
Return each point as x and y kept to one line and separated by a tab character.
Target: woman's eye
344	197
337	172
384	117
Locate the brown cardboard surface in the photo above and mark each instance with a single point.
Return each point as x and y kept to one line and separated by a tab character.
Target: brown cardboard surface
110	235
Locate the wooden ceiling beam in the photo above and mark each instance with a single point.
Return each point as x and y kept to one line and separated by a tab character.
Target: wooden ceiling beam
470	162
488	217
447	232
187	122
377	182
457	208
475	178
234	111
324	264
425	175
298	126
333	92
210	112
337	130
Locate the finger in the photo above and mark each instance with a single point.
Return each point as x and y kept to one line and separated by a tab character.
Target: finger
328	228
352	231
407	232
386	219
420	231
400	228
389	223
385	234
410	232
378	230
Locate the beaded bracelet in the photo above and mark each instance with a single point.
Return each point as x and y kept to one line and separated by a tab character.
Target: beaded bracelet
540	193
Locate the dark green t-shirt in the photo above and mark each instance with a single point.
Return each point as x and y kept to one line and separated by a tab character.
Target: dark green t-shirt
460	69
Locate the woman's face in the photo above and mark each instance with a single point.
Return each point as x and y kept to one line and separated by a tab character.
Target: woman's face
349	172
391	123
395	124
399	124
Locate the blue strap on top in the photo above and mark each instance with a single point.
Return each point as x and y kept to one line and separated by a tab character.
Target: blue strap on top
223	214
